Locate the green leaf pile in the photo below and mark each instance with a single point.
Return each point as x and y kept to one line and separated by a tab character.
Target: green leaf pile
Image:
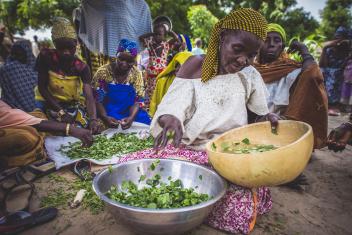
245	147
104	148
157	195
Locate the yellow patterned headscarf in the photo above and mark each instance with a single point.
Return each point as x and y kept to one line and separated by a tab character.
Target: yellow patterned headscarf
62	28
272	27
245	19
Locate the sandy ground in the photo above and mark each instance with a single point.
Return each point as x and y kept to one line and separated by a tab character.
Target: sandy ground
323	208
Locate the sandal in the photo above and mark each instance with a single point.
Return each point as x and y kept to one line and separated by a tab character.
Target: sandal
21	220
18	191
18	198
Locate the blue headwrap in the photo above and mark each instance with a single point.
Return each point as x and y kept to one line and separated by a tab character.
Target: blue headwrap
128	46
343	32
185	38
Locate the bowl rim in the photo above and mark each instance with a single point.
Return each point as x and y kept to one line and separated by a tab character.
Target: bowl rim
109	201
209	148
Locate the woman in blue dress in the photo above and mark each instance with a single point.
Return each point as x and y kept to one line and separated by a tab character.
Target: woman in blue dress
119	89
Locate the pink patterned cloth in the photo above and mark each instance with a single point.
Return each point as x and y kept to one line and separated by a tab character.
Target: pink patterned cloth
235	211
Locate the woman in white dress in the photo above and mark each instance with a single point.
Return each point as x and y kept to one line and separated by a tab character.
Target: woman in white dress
210	96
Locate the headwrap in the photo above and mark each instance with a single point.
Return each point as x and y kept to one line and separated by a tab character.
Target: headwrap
244	19
184	38
62	28
19	80
128	46
343	32
27	47
272	27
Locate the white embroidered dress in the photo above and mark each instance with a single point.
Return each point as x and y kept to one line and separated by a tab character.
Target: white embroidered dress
209	109
279	92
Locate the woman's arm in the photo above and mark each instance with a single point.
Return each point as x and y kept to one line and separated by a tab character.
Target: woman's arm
134	110
303	51
109	121
90	101
173	35
323	62
51	126
145	36
127	122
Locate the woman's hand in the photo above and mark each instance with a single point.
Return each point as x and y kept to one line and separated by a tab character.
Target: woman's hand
95	126
299	47
126	123
111	122
339	137
274	121
273	118
172	128
83	134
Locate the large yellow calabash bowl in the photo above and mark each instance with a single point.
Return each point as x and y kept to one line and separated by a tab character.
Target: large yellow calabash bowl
271	168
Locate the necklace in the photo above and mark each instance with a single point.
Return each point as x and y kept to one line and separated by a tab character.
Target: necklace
115	76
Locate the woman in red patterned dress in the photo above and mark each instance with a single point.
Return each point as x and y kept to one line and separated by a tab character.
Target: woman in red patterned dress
158	49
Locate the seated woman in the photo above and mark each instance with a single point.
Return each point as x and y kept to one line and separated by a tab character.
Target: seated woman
296	90
210	96
18	77
120	90
165	79
20	141
64	90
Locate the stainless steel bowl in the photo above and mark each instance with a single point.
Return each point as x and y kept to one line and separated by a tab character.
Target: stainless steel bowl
161	221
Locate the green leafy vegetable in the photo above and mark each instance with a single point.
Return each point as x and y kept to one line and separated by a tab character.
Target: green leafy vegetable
158	196
104	148
60	197
152	167
142	178
245	147
246	141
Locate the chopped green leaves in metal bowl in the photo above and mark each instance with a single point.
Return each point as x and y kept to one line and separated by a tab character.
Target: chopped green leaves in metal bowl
157	194
104	148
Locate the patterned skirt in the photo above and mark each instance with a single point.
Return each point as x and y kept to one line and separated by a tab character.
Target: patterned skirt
333	83
236	212
76	110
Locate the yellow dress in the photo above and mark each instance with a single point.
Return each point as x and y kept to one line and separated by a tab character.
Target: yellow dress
68	90
165	79
63	88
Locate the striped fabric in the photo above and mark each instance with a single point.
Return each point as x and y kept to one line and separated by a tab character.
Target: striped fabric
103	23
